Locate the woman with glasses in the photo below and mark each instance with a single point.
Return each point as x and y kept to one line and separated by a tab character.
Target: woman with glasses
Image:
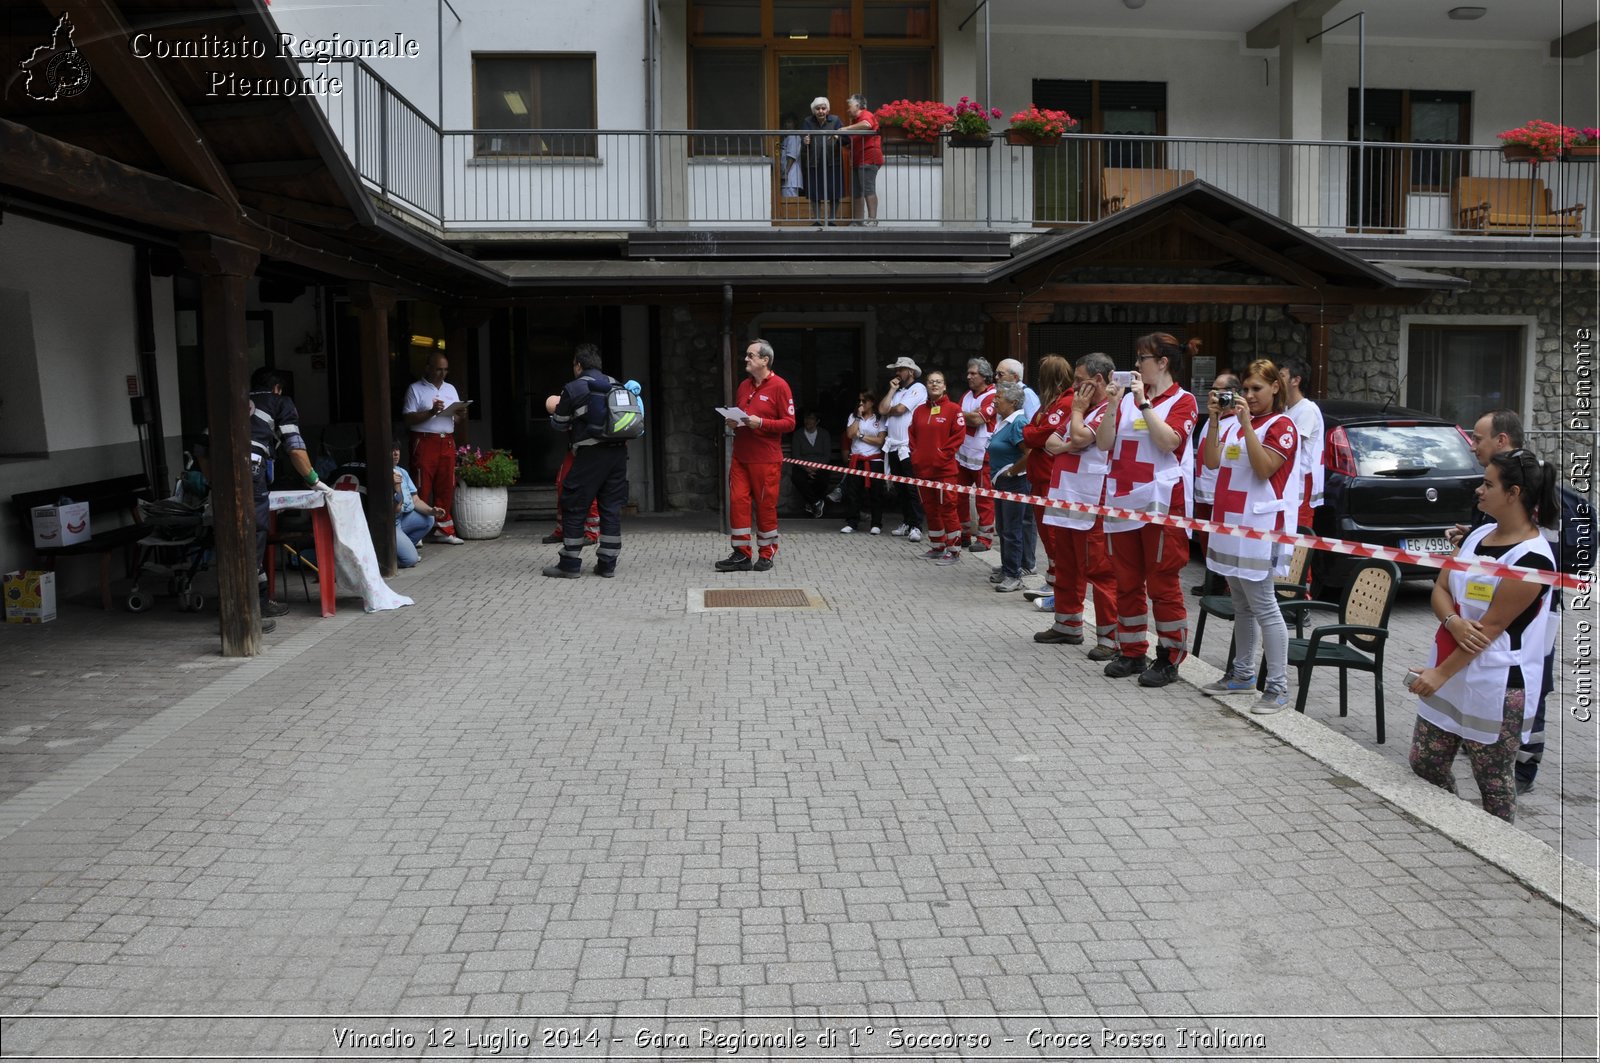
1484	673
1147	434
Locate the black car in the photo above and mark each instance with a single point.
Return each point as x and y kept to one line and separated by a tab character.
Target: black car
1394	477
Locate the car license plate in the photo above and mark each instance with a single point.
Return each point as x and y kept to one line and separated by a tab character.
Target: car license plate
1435	545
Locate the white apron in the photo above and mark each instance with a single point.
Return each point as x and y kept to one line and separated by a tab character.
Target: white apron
1079	477
1264	510
1471	703
1152	496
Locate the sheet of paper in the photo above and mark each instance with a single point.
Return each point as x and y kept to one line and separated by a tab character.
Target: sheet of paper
456	407
733	413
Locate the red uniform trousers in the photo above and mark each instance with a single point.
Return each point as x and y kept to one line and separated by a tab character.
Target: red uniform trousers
1083	564
433	459
754	484
978	477
591	523
943	510
1150	558
1047	532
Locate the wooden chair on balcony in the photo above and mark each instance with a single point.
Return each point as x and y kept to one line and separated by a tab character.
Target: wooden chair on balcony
1512	205
1122	187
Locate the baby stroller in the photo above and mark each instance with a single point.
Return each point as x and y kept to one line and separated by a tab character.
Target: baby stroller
175	548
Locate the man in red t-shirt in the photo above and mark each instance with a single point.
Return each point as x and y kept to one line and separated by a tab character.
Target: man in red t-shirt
755	476
866	158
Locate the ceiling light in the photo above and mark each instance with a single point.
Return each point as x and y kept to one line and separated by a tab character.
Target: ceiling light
515	103
1467	14
1133	5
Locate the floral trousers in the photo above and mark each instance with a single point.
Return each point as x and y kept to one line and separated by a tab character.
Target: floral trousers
1433	752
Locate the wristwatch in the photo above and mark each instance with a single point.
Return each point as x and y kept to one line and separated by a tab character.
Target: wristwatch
1144	405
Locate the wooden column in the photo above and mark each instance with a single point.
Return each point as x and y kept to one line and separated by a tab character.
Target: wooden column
1319	321
224	268
1006	333
372	304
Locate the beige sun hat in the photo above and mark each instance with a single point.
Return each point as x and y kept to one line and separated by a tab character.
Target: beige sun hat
905	363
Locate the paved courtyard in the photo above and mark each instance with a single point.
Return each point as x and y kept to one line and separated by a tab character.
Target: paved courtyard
589	819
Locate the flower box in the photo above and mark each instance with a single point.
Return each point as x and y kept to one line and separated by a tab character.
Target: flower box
1025	139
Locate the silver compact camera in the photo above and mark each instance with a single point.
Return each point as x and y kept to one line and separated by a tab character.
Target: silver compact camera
1122	378
1226	399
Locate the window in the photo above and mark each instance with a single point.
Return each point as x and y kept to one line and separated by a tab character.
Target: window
727	95
1067	178
553	94
1458	371
1406	116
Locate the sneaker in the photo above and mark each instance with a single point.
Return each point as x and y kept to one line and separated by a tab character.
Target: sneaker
1269	703
997	577
1052	637
1035	595
932	554
763	564
557	572
1159	674
875	530
914	535
902	531
1523	785
847	530
1102	652
268	626
272	608
1006	586
1229	685
949	557
1123	667
735	562
1028	570
453	540
836	495
1047	604
979	546
816	510
553	539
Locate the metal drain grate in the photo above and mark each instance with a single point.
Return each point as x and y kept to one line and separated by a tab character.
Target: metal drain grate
782	598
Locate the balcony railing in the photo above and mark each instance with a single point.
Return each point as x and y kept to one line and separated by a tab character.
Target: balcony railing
577	179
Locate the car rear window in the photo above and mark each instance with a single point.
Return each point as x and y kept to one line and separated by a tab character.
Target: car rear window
1381	449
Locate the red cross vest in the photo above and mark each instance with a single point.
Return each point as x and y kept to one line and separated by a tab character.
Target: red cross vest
1079	477
975	448
1471	702
1151	493
1245	500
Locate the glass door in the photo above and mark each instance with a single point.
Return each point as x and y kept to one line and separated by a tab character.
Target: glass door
802	77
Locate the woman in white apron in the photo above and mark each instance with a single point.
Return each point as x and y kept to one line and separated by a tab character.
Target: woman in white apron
1482	681
1256	455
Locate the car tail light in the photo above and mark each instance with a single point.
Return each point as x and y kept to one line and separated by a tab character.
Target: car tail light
1337	456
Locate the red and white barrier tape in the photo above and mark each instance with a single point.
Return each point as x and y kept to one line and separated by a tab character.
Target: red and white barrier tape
1314	542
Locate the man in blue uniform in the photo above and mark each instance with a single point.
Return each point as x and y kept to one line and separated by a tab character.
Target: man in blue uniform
599	468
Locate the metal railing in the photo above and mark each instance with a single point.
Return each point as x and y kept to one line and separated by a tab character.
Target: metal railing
583	179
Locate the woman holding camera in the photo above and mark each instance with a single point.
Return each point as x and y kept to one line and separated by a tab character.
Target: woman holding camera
1483	678
864	434
1147	432
1255	456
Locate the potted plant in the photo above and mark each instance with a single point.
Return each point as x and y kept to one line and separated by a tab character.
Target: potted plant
482	478
1035	126
971	125
1585	144
1537	141
914	119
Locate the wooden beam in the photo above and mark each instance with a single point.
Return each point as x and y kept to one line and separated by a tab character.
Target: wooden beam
1319	320
250	171
1576	44
1247	250
316	214
372	304
1241	294
224	269
144	94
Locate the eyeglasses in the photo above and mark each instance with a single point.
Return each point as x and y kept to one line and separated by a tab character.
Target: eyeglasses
1146	358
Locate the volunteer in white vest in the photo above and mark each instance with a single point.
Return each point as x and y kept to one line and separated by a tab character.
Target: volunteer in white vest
977	411
1484	672
1257	487
1078	474
903	396
1147	432
1205	486
1307	417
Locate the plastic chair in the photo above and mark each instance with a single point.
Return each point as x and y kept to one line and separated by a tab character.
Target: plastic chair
1356	642
1290	588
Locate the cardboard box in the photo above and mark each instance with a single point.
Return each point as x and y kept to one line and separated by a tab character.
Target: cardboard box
30	597
61	525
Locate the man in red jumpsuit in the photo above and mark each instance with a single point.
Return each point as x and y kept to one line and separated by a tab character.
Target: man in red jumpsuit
937	432
755	475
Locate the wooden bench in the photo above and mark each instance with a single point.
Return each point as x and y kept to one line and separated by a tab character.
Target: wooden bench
113	514
1512	205
1122	187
